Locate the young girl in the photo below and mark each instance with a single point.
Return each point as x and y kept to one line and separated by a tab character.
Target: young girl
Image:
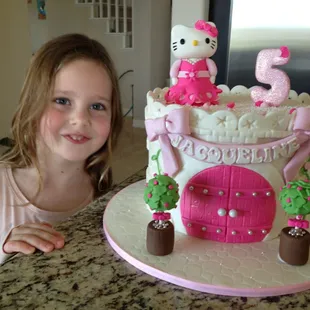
65	129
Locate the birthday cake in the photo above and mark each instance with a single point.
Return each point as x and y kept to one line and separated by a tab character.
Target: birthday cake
229	150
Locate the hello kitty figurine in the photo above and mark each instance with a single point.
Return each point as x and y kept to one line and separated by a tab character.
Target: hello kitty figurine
193	74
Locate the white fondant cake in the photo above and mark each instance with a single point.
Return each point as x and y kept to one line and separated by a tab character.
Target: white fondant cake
242	124
230	151
229	218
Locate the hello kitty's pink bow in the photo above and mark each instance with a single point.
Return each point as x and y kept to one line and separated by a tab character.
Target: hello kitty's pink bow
177	121
208	28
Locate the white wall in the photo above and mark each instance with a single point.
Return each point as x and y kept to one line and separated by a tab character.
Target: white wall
15	53
151	46
188	12
38	27
160	34
142	61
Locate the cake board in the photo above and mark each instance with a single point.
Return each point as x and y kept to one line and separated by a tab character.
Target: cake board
249	270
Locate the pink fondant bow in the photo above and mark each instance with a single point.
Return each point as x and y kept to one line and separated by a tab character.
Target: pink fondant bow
208	28
298	223
177	121
302	132
162	216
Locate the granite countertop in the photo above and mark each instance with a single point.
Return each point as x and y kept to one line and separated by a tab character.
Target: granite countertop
88	274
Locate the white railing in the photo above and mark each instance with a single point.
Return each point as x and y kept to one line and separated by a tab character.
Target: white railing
118	15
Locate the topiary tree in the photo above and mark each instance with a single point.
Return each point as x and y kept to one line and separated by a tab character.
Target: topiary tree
161	194
295	200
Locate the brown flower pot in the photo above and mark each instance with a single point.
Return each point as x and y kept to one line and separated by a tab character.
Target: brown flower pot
294	250
160	241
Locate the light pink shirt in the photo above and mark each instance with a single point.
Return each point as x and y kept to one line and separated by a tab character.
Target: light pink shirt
14	212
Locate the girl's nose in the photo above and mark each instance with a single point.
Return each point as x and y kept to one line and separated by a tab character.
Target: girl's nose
79	118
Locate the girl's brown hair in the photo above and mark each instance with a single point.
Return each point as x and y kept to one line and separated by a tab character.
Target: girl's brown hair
36	93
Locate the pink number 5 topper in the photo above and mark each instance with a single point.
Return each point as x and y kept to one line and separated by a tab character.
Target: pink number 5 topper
278	79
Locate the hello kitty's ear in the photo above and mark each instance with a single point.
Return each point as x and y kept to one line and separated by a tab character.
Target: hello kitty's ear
212	24
178	30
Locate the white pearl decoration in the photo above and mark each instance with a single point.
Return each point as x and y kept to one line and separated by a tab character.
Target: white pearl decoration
264	231
219	230
221	212
268	194
233	232
189	225
250	232
221	193
204	228
254	194
191	188
238	194
205	191
233	213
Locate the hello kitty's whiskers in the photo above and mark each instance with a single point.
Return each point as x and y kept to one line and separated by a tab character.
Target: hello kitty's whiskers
174	49
213	41
213	47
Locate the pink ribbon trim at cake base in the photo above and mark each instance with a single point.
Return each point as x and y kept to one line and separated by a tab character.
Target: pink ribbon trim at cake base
302	132
177	121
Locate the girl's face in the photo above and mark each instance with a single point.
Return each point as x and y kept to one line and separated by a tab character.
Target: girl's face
77	121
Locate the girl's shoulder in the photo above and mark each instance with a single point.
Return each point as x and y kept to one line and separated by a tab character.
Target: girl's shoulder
5	180
4	169
5	172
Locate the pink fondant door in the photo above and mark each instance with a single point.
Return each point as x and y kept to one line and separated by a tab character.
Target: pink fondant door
228	204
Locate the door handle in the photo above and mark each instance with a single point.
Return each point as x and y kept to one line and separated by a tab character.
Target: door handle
233	213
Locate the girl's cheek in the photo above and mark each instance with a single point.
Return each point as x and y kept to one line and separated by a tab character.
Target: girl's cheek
51	120
103	127
104	130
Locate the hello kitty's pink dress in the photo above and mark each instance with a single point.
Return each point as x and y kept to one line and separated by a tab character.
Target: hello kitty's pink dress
194	86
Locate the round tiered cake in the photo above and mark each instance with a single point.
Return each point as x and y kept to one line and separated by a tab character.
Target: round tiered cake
230	151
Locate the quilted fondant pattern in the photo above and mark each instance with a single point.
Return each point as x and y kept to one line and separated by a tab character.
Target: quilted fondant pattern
242	124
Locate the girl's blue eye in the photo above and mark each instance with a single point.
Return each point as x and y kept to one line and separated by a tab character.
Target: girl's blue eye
97	106
62	101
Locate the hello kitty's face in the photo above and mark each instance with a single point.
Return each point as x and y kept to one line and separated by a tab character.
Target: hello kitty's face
192	43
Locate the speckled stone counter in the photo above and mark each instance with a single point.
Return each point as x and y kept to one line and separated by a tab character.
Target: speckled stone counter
88	274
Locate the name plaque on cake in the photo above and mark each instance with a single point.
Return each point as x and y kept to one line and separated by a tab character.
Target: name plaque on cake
231	154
